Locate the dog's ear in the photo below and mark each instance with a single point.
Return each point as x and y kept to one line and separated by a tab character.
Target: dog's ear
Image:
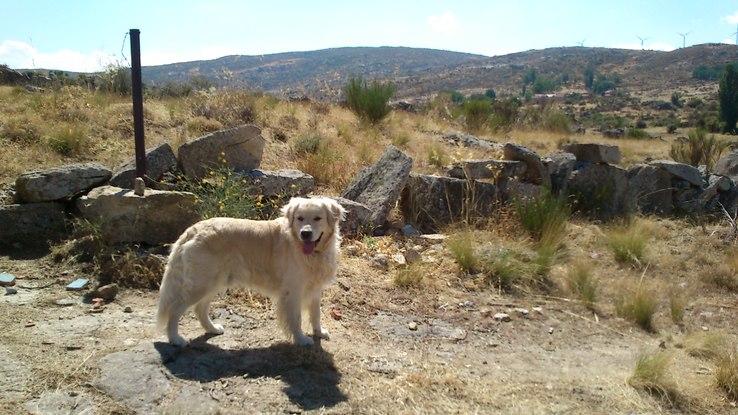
288	210
336	211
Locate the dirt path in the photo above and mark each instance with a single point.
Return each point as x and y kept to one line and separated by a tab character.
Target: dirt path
392	353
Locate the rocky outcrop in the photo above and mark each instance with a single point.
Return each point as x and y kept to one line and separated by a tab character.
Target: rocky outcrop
594	153
238	148
60	183
650	190
159	160
535	171
358	217
728	166
31	224
599	190
282	183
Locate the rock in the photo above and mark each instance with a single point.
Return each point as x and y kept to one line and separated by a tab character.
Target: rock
467	140
284	183
358	217
559	166
614	133
60	403
599	190
60	183
31	224
139	187
78	284
412	256
412	326
157	217
8	195
535	172
379	186
728	166
379	261
431	202
716	185
6	279
523	312
409	230
10	291
399	259
502	317
106	292
159	160
649	190
384	367
538	310
681	171
594	153
238	148
65	302
128	309
486	169
517	190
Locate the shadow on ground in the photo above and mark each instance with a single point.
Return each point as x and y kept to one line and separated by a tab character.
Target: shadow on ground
310	373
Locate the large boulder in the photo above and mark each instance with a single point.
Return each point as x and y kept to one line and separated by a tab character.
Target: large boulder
159	160
238	148
358	217
681	171
486	169
379	186
728	165
432	202
594	153
283	183
559	166
467	140
60	183
650	189
535	171
599	189
31	224
156	217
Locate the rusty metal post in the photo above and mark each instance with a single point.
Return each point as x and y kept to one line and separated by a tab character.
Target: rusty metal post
137	93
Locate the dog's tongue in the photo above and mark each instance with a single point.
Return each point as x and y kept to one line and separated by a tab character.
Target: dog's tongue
308	247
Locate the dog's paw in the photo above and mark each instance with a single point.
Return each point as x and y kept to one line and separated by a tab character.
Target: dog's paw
216	329
322	333
178	341
303	340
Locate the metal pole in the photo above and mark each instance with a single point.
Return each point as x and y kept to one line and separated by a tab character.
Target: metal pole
137	93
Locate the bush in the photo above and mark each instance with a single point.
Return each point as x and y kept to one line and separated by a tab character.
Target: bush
437	156
307	143
650	375
457	97
461	245
604	83
638	305
116	79
676	99
711	345
490	93
698	149
504	113
410	276
636	133
580	282
544	85
370	102
476	114
726	375
628	243
68	139
543	216
556	121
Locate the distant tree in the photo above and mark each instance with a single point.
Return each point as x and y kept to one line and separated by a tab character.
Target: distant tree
476	113
457	97
589	76
544	84
676	99
529	77
728	97
490	93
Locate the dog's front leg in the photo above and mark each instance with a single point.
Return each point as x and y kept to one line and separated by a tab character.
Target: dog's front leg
289	309
318	331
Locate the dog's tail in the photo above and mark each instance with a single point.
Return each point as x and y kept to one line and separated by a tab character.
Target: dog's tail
168	294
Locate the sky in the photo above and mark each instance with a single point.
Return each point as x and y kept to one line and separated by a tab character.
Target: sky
86	35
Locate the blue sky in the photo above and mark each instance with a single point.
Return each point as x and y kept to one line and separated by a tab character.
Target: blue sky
86	35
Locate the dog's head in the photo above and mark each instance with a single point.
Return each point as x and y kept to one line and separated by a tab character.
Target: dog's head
314	222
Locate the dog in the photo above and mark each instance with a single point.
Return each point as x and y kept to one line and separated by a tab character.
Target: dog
290	259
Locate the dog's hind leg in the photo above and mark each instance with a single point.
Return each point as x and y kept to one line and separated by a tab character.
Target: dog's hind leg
175	314
202	311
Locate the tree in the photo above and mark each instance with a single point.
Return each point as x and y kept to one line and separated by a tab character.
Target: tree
728	96
589	75
490	93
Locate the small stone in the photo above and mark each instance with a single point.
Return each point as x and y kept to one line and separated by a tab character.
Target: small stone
78	284
352	250
409	230
550	330
380	261
485	312
502	317
30	324
343	285
106	292
10	291
522	311
412	256
466	304
6	279
399	259
139	187
65	302
705	328
538	310
127	309
336	313
413	326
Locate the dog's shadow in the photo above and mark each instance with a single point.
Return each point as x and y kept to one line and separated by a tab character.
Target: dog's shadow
310	374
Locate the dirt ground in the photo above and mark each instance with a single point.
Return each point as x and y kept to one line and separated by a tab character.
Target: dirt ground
432	349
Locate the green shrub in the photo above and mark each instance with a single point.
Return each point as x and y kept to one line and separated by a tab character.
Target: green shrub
651	375
437	156
676	99
556	121
581	282
476	114
628	243
457	97
637	304
461	245
410	276
545	215
490	93
116	79
544	85
68	139
697	149
370	102
636	133
307	143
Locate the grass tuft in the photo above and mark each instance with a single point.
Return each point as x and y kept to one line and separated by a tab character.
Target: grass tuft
628	243
461	245
581	282
708	345
677	304
545	216
637	304
651	375
410	276
726	374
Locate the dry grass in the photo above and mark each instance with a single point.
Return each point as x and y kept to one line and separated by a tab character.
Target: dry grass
677	304
651	375
726	374
628	243
637	303
581	283
410	276
708	345
461	245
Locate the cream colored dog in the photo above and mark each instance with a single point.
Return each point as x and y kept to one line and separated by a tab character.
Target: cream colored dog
290	259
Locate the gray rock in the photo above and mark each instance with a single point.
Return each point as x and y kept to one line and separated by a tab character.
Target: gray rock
650	190
60	183
728	165
594	153
60	403
432	202
409	230
486	169
517	190
467	140
157	217
358	217
31	224
238	148
614	133
599	190
715	185
284	183
502	317
559	166
535	171
379	186
681	171
10	291
8	195
159	160
688	200
134	378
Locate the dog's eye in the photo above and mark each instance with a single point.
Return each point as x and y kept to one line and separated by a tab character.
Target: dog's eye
317	218
300	218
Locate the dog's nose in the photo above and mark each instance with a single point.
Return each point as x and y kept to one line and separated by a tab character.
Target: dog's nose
306	235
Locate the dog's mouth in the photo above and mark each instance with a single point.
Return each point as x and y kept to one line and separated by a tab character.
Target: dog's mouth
309	246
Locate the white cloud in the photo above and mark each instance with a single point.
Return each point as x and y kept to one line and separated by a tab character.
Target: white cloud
18	54
663	46
729	40
445	23
731	19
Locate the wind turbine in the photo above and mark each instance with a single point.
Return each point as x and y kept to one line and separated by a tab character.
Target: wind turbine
684	38
642	39
581	43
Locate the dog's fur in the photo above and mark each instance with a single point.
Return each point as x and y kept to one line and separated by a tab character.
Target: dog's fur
290	259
